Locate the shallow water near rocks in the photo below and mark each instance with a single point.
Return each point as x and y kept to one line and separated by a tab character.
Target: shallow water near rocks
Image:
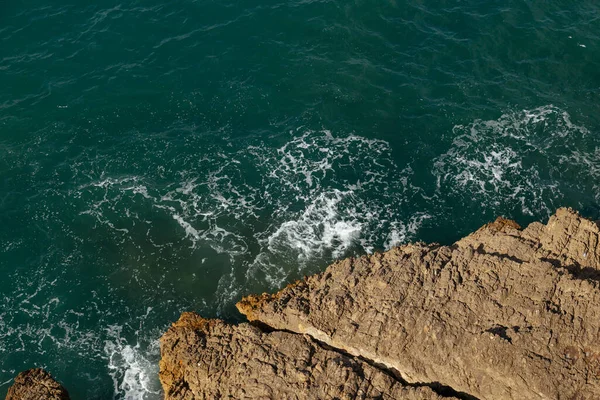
163	157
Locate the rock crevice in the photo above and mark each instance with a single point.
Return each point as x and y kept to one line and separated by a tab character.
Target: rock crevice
210	359
505	313
440	389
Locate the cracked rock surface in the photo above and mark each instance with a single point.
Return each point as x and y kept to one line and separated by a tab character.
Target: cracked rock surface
210	359
504	313
36	384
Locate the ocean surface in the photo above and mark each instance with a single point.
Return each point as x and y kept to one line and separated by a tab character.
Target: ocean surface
160	157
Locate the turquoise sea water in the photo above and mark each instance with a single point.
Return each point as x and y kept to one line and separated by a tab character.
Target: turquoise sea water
158	157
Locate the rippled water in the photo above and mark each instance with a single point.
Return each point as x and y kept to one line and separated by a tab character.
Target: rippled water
157	158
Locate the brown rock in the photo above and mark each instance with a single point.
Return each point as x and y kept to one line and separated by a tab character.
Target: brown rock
209	359
502	314
36	384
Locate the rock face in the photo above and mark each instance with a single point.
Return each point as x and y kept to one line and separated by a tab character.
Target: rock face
36	384
209	359
504	313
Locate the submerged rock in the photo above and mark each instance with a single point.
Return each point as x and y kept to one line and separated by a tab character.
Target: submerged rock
36	384
503	313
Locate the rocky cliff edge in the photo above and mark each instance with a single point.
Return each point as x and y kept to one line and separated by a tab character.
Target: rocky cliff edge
505	313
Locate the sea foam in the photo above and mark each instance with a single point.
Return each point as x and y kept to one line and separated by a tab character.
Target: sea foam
526	158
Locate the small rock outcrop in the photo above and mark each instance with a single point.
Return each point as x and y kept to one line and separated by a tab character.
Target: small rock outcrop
209	359
36	384
504	313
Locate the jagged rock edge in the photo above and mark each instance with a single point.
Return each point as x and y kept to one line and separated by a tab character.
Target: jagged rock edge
560	250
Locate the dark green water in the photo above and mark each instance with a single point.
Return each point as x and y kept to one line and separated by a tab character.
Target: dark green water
161	157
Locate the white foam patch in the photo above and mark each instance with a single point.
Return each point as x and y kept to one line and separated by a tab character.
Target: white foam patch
334	197
400	233
187	227
522	158
133	368
321	226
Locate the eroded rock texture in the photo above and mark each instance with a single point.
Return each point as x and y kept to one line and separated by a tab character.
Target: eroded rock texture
209	359
36	384
504	313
